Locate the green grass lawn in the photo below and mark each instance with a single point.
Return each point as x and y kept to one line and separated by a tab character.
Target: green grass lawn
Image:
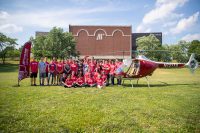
172	104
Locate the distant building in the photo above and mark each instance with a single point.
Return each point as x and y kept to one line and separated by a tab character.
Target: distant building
137	35
105	42
40	33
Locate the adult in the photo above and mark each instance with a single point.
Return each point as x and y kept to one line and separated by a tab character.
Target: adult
34	71
42	71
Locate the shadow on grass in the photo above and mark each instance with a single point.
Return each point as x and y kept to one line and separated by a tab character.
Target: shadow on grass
151	85
8	67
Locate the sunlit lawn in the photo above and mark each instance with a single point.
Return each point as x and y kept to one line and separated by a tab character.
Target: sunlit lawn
172	104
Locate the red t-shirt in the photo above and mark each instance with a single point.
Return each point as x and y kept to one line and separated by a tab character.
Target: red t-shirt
90	81
92	66
95	76
74	79
52	67
47	67
104	77
106	68
60	67
87	76
80	80
99	81
112	69
69	82
34	66
74	67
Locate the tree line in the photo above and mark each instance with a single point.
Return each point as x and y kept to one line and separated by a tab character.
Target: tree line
60	44
152	48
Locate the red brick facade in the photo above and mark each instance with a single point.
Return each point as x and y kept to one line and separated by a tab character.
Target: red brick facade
103	41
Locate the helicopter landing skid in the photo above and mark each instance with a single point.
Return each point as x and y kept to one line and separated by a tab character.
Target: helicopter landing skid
131	80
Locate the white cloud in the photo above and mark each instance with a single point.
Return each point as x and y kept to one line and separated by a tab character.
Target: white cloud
142	28
5	26
61	17
191	37
163	10
185	23
163	13
10	28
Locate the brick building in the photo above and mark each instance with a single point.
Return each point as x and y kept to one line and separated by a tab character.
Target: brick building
107	42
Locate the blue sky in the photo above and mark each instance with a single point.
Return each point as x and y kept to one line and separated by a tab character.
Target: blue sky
176	19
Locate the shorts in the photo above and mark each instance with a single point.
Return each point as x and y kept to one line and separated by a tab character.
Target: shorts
42	75
47	74
33	75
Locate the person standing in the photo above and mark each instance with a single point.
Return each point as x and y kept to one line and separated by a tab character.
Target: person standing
47	71
42	70
112	71
52	69
60	72
34	71
106	70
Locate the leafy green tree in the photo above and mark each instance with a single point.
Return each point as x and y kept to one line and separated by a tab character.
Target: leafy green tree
180	51
149	44
6	44
57	43
194	47
13	53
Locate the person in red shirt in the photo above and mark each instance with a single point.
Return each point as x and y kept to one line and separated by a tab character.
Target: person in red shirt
87	76
95	75
47	70
68	82
59	71
54	61
90	82
74	78
74	67
92	66
112	72
100	83
52	69
34	71
106	70
118	65
104	78
80	82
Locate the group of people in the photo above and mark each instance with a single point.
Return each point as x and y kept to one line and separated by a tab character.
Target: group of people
75	73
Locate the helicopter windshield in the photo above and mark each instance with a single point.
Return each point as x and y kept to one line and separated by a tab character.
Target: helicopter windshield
134	68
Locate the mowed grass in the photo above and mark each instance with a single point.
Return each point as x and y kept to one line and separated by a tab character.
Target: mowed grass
172	104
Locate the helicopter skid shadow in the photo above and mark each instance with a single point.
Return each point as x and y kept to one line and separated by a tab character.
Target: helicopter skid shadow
151	85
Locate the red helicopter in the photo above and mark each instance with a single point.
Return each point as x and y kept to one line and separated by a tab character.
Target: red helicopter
142	67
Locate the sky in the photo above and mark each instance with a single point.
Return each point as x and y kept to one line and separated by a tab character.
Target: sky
176	19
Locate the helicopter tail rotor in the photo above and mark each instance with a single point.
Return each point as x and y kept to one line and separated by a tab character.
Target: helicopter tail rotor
192	63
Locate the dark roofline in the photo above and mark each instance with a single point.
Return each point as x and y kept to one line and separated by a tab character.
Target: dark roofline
102	25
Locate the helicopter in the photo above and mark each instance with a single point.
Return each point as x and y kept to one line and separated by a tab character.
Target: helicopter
141	67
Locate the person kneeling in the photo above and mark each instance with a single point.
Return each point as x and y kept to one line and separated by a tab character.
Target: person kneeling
80	82
68	82
100	82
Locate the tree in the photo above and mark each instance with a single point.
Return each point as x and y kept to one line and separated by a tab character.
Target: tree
194	47
56	44
180	51
149	43
6	44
